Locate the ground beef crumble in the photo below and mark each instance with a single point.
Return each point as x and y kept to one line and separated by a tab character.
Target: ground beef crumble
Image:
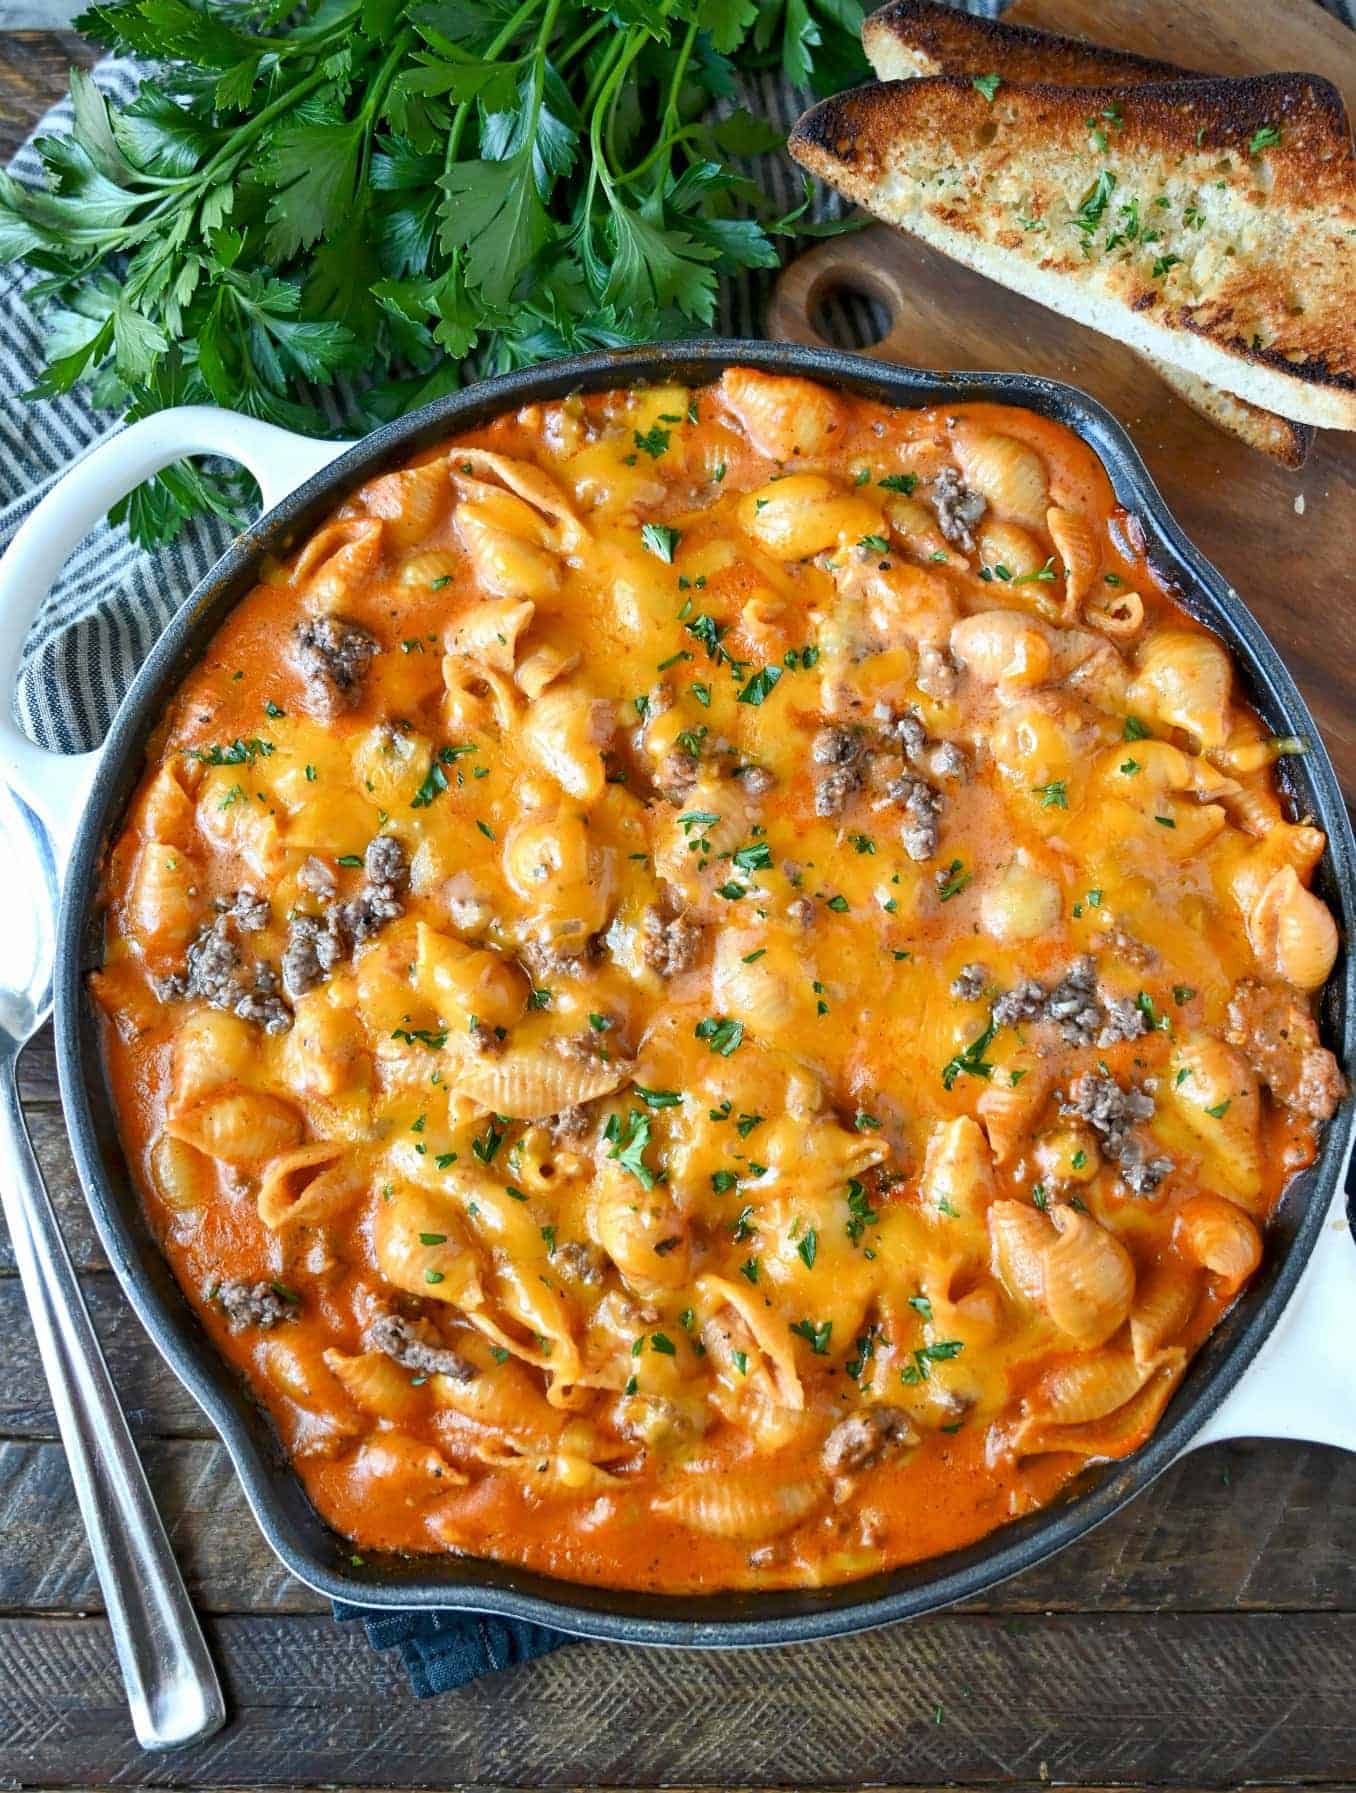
670	943
400	1341
1085	1013
213	972
840	752
1113	1113
333	657
260	1304
863	1439
958	508
968	984
1273	1028
317	943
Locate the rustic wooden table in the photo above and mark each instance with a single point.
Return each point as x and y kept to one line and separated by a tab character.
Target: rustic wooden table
1207	1637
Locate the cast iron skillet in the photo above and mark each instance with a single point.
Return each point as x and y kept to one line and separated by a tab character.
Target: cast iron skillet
304	1542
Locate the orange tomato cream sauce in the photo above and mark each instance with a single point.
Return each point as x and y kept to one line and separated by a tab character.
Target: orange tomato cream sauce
711	988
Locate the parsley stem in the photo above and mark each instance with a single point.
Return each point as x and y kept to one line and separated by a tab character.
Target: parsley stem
497	44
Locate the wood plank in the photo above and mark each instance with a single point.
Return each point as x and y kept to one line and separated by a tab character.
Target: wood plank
156	1403
37	1068
47	1130
1259	1527
33	67
1109	1699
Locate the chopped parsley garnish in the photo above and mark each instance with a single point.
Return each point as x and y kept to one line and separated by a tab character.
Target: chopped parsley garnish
239	753
952	881
654	442
422	1036
628	1144
754	858
435	783
815	1336
658	1098
723	1181
1054	795
660	540
898	482
1265	138
746	1124
1094	202
926	1355
721	1034
861	1213
970	1059
1182	993
485	1145
875	544
988	85
1135	730
807	1248
1218	1112
759	686
839	904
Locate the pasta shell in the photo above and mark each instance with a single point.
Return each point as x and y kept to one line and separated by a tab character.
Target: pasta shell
296	1368
337	560
488	633
1008	551
411	503
1214	1092
565	732
542	666
916	524
534	487
377	1384
404	1467
1184	679
1164	1302
1087	1388
806	514
1117	612
957	1169
644	1235
764	1329
184	1178
1020	1237
531	1083
550	1472
1005	648
164	904
167	810
311	1184
238	1126
211	1048
503	538
1293	933
503	1397
1022	903
1115	1435
1079	553
1089	1278
423	571
783	417
1010	475
744	1507
420	1246
1008	1109
477	696
1221	1238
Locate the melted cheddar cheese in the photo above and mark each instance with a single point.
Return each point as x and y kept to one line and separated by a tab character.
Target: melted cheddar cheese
712	989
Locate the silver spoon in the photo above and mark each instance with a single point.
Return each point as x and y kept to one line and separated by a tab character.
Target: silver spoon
172	1688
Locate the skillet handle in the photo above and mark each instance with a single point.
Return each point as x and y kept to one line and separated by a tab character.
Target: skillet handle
55	784
1302	1383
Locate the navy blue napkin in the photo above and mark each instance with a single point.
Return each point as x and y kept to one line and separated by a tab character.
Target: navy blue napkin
443	1650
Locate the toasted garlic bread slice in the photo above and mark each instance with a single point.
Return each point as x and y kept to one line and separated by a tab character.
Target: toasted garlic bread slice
1216	230
909	38
912	38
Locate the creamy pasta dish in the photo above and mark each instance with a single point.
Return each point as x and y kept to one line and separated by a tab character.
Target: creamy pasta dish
712	988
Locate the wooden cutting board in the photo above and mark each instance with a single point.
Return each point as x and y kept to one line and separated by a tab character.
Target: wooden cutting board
1285	540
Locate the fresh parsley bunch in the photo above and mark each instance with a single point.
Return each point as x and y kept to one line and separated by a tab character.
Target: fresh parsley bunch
383	198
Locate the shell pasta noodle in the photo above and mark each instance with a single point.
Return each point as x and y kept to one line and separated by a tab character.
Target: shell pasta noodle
714	988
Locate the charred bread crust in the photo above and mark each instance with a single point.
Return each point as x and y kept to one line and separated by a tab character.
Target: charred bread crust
923	36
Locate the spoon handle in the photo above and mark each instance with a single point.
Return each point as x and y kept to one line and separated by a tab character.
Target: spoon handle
172	1688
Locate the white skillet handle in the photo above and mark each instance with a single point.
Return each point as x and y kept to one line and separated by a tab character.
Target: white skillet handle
1302	1383
54	784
